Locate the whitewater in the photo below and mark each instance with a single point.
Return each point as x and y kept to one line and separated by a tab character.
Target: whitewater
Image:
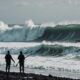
67	65
53	48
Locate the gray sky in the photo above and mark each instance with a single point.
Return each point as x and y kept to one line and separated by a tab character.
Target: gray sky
40	11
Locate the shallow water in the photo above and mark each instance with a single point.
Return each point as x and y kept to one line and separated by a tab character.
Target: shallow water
56	66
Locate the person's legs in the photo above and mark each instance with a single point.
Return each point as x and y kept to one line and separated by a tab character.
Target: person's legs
6	67
23	67
20	67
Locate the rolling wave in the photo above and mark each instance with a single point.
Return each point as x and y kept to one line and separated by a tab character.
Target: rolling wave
61	33
32	32
55	49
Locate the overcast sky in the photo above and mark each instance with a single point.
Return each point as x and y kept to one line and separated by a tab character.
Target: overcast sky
40	11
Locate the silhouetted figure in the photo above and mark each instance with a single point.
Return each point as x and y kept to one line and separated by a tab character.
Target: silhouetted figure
8	59
21	59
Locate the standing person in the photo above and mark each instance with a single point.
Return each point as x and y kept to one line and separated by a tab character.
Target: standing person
8	59
21	59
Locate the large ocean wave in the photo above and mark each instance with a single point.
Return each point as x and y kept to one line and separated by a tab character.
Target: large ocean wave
31	32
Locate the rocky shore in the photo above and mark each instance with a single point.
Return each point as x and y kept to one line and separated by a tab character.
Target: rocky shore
30	76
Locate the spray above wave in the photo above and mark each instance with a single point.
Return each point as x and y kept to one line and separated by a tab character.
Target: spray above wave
19	33
31	32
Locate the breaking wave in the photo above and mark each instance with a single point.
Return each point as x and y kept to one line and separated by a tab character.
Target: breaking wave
31	32
72	50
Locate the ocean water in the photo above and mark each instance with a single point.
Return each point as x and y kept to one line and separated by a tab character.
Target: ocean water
52	49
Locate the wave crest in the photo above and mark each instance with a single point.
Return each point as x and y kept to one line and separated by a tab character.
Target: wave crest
32	32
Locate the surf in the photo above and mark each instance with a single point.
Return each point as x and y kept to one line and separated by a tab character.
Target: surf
30	32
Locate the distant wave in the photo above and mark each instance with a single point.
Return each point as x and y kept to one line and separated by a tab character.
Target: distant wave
55	49
58	50
31	32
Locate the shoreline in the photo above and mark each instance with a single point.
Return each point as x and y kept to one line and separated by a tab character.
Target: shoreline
55	70
29	76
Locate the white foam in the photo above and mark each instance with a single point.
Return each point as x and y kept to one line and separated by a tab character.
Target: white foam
30	23
3	26
48	24
61	43
39	62
69	22
56	66
17	26
18	44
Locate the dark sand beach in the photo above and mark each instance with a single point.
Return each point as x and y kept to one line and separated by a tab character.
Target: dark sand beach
30	76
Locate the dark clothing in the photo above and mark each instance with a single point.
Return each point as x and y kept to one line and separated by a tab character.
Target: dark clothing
21	62
21	58
8	58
